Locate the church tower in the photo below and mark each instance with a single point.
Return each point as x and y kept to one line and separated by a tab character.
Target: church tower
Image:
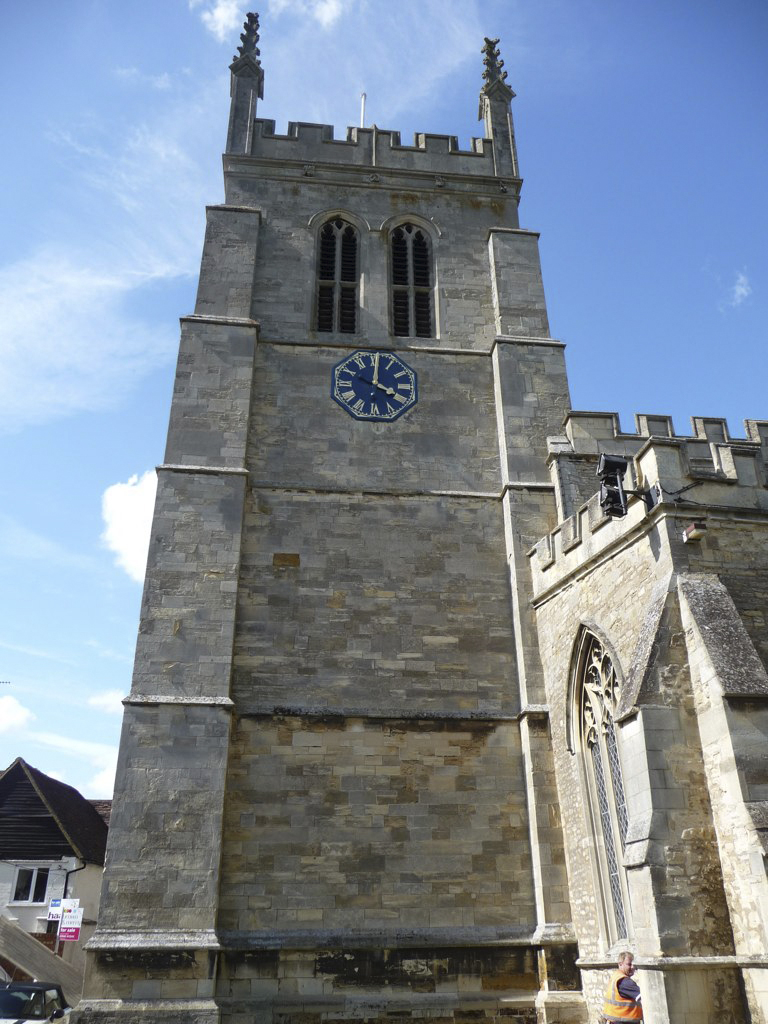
335	798
416	730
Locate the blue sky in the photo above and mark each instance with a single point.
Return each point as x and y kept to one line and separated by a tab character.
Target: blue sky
642	141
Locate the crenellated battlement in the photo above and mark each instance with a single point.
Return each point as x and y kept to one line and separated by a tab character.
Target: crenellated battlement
707	469
589	431
709	450
371	148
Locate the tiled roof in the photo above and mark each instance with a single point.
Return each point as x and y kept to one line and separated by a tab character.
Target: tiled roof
104	807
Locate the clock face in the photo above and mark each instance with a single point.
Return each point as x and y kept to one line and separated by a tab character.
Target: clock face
374	385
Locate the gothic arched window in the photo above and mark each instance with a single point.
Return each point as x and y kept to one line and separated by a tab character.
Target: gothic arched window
412	282
597	695
338	277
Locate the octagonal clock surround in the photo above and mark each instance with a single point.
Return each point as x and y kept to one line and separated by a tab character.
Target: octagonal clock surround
372	384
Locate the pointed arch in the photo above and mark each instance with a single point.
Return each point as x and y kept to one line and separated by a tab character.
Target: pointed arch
412	279
337	289
595	689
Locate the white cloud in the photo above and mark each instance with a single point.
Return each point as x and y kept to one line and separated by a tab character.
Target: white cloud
101	757
162	81
734	295
13	715
152	183
18	542
740	290
33	652
126	509
74	335
108	652
326	12
110	701
369	35
102	785
221	17
67	341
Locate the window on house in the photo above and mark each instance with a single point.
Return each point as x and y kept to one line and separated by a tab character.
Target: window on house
598	697
31	885
338	278
412	283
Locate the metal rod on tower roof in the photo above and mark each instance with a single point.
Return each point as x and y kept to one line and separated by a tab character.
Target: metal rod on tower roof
362	110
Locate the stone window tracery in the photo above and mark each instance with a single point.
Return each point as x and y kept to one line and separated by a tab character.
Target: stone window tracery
412	282
598	699
338	275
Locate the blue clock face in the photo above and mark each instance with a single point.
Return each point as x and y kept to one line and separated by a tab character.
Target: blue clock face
374	385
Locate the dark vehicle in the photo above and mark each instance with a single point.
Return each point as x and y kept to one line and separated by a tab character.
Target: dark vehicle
31	1000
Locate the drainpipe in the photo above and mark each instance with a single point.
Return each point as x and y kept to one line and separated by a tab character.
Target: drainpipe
72	872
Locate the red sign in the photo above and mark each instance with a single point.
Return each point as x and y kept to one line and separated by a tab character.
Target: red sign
71	922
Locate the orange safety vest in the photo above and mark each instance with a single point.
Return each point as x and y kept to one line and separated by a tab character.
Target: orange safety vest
615	1006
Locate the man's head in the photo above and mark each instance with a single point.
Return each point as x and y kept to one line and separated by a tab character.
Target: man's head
626	964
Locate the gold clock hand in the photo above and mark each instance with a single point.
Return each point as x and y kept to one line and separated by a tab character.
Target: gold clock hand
376	369
390	391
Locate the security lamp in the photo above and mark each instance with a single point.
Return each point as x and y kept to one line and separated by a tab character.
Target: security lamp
613	498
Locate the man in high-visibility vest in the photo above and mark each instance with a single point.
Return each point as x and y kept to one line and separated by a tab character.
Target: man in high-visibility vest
622	997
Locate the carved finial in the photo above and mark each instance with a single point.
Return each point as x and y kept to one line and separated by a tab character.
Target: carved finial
249	38
493	64
246	88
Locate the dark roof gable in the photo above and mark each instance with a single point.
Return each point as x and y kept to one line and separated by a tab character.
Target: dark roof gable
42	818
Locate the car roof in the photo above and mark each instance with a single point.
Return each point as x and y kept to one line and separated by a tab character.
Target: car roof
36	985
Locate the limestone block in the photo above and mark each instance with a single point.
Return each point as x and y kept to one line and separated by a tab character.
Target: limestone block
446	442
390	827
212	395
518	291
390	601
229	261
167	812
532	397
184	647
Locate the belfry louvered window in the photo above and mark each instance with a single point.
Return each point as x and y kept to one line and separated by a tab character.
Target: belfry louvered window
338	278
598	697
412	283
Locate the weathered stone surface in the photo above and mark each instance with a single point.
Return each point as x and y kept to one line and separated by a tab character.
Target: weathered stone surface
375	827
689	713
396	603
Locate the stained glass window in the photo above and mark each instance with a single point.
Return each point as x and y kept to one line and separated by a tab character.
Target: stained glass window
599	692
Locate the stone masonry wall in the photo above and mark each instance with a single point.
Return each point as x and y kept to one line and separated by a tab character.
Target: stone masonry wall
355	604
459	224
674	881
354	826
300	437
666	781
346	587
168	814
685	624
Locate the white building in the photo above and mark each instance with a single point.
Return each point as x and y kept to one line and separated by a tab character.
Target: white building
52	843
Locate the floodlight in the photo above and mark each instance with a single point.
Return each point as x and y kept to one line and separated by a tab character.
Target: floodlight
613	499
